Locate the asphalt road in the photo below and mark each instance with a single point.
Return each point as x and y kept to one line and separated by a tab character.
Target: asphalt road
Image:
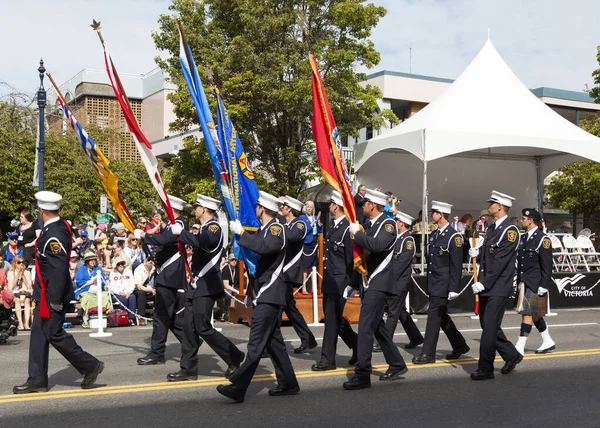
560	389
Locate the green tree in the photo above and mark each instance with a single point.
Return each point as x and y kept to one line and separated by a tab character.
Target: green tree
259	60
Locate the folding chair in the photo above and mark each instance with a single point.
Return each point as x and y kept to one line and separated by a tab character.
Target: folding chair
587	247
560	255
585	232
577	256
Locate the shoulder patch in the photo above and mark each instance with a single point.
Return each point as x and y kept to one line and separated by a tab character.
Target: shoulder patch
389	228
55	247
214	228
300	225
458	240
546	243
410	244
511	235
275	229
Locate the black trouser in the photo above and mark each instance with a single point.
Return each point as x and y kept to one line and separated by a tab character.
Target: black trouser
167	303
295	317
46	332
335	325
265	333
437	316
198	323
371	325
224	303
397	311
491	312
142	301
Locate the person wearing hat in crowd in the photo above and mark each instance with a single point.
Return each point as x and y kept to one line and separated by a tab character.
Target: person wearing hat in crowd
83	243
11	250
195	228
481	223
169	282
566	227
231	284
496	259
122	287
265	330
6	301
86	280
295	233
337	271
444	271
533	276
404	253
206	287
53	290
378	241
119	235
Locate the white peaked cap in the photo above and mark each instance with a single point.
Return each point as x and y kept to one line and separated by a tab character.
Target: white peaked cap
268	201
176	203
442	207
404	218
336	198
207	202
501	198
376	197
293	203
48	200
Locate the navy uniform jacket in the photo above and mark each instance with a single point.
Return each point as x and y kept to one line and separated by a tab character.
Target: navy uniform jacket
535	261
295	232
53	249
497	259
206	274
445	254
378	241
269	243
339	260
404	252
170	269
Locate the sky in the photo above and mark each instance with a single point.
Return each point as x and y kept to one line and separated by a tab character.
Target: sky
548	43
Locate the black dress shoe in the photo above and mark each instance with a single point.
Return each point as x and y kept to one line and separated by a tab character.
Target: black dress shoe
305	347
233	367
284	390
424	359
377	348
90	378
393	373
413	344
456	353
181	375
510	365
353	359
322	367
27	388
232	391
150	361
479	375
358	382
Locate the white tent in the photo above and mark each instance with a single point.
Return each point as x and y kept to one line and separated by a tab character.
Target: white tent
486	131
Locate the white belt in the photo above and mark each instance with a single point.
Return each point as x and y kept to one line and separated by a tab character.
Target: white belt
173	258
276	273
293	261
206	268
380	268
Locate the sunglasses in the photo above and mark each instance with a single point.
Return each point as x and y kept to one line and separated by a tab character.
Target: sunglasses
121	265
143	222
134	239
20	263
12	239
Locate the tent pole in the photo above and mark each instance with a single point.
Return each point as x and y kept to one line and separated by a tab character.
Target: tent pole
540	182
424	218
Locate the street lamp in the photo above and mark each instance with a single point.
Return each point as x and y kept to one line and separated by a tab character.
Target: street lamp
41	99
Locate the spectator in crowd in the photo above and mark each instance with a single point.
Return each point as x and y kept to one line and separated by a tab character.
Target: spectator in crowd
120	234
309	253
100	236
133	250
4	265
6	300
195	229
119	252
566	227
86	275
28	233
417	222
231	283
83	243
481	223
3	281
142	223
122	287
11	250
391	205
465	223
157	224
19	282
74	264
144	286
359	201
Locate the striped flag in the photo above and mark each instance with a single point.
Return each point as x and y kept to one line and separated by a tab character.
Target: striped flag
329	153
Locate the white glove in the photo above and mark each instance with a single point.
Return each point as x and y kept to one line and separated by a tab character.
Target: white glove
176	228
473	253
452	295
236	227
349	292
477	287
541	291
354	227
137	233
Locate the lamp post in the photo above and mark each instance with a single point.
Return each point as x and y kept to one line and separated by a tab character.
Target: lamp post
41	99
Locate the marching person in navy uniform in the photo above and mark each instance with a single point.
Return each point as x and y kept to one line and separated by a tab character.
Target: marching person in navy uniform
206	288
338	269
404	253
534	272
53	290
295	233
170	283
496	257
444	271
378	242
265	333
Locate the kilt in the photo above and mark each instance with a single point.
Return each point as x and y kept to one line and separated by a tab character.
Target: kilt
534	305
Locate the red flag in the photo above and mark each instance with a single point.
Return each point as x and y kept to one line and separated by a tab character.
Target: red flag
329	153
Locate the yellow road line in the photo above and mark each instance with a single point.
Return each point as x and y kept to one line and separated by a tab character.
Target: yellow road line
164	386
